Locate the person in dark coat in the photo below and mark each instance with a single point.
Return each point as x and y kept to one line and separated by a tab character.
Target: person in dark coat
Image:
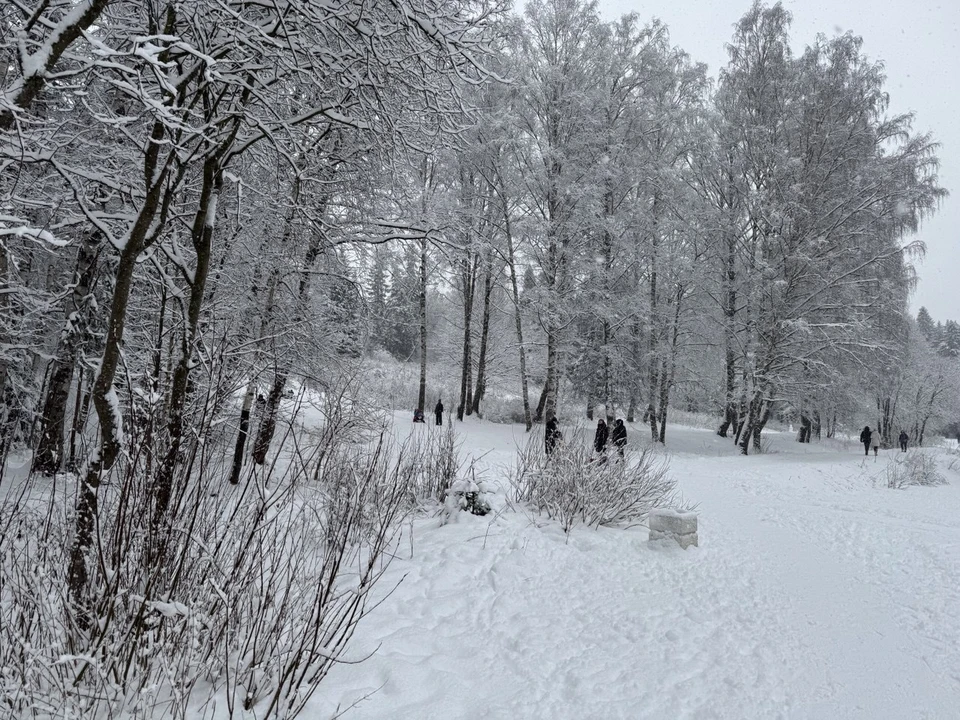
904	439
600	439
438	411
865	437
619	436
552	435
418	416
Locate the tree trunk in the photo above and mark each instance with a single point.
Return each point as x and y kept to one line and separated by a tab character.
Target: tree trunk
549	389
729	335
268	420
80	409
468	274
422	393
144	230
481	387
518	319
240	445
541	405
746	430
49	455
268	424
202	237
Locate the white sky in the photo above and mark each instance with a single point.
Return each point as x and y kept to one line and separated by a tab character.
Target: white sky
919	44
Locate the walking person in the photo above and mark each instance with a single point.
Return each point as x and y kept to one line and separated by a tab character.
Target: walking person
552	435
865	439
600	439
904	439
438	411
876	441
619	436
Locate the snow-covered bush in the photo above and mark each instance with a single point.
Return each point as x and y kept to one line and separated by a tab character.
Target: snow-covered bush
467	495
240	602
915	468
431	458
503	408
574	485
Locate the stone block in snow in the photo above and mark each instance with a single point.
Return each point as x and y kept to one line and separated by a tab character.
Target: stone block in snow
672	521
674	525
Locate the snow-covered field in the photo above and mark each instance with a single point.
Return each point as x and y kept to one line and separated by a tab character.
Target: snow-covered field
816	592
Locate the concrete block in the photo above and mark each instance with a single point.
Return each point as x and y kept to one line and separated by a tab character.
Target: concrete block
680	527
671	521
684	541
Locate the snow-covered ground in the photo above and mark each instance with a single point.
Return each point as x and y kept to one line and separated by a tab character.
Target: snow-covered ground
816	592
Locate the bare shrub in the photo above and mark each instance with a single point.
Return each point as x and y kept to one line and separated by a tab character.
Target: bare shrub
573	485
916	468
246	600
433	462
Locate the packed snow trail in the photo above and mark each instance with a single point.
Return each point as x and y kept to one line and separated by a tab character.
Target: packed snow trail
815	593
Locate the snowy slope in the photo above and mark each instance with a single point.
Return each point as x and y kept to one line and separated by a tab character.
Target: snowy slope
816	593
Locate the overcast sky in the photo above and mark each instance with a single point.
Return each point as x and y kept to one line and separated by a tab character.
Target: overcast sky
919	44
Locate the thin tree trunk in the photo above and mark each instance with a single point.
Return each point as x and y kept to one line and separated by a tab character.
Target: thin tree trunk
244	431
481	386
5	408
653	349
268	423
518	319
729	334
541	405
468	281
202	236
104	395
144	230
746	430
669	369
49	455
80	407
422	392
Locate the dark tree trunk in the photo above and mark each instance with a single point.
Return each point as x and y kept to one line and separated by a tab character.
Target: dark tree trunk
806	427
541	405
204	224
49	456
422	392
104	396
468	275
244	431
518	319
481	387
268	424
729	339
80	410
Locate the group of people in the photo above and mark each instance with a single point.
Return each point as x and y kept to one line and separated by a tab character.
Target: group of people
437	413
617	436
871	438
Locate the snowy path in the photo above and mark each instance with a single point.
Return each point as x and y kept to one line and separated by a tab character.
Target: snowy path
814	594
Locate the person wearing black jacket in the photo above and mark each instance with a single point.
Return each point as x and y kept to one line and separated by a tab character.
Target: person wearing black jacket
438	412
904	439
865	437
551	435
600	439
619	436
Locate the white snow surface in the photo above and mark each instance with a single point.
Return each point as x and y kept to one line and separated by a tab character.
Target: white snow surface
816	592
